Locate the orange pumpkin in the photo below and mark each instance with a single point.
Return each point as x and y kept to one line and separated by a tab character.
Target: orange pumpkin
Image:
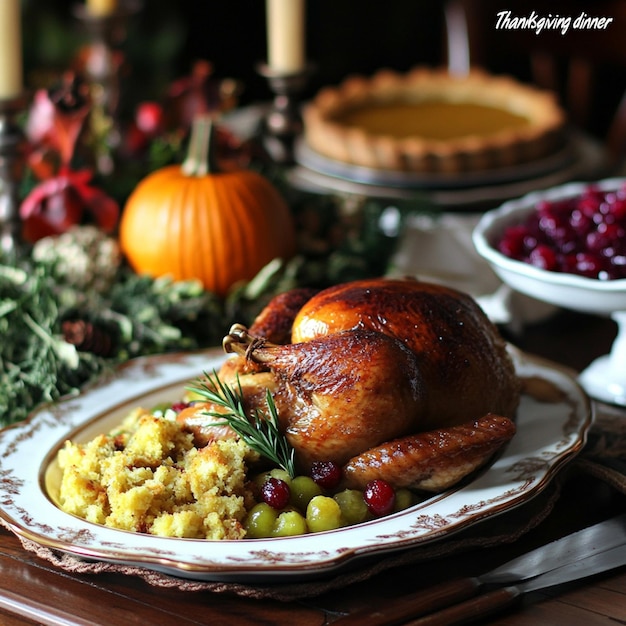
191	221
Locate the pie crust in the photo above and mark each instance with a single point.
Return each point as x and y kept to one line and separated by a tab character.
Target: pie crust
431	121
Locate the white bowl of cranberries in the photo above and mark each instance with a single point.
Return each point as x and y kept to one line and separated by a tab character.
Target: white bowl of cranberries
565	246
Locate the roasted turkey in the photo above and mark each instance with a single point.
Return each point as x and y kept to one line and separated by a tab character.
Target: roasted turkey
396	379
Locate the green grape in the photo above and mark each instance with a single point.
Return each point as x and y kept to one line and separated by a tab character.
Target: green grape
323	513
281	474
352	505
277	472
289	524
303	489
404	499
161	407
260	521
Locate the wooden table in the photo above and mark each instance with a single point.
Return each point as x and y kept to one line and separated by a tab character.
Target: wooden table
32	591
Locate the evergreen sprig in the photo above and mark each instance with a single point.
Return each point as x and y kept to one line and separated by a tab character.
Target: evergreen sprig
260	431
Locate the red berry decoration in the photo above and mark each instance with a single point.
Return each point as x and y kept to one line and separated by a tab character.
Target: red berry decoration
326	474
275	492
149	118
380	497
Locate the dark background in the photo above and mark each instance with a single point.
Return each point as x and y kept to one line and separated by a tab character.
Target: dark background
343	37
165	37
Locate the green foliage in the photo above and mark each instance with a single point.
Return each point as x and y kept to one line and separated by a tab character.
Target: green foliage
139	315
36	365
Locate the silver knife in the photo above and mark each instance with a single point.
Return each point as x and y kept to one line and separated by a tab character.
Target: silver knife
568	550
488	603
586	542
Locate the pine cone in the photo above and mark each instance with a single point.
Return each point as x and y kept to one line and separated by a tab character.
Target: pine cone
88	337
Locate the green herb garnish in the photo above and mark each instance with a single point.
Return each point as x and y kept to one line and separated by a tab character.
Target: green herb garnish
260	431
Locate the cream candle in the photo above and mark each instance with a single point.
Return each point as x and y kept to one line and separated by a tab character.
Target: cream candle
11	79
285	35
101	7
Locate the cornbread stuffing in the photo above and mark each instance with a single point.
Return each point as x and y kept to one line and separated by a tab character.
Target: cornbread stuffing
148	477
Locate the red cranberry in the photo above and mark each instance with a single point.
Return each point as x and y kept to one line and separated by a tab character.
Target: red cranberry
604	237
580	222
179	406
513	242
276	493
588	264
543	257
568	263
580	235
618	209
326	474
380	497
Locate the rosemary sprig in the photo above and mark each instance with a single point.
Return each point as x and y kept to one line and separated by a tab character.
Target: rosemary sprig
260	431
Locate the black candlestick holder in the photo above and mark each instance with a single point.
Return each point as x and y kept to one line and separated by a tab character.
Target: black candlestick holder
102	62
283	122
12	155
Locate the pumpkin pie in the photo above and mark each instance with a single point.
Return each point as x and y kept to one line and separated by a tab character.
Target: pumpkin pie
429	121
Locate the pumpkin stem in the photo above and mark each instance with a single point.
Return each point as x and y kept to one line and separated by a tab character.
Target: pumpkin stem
200	159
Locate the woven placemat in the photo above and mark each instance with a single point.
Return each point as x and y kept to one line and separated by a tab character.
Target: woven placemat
604	458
